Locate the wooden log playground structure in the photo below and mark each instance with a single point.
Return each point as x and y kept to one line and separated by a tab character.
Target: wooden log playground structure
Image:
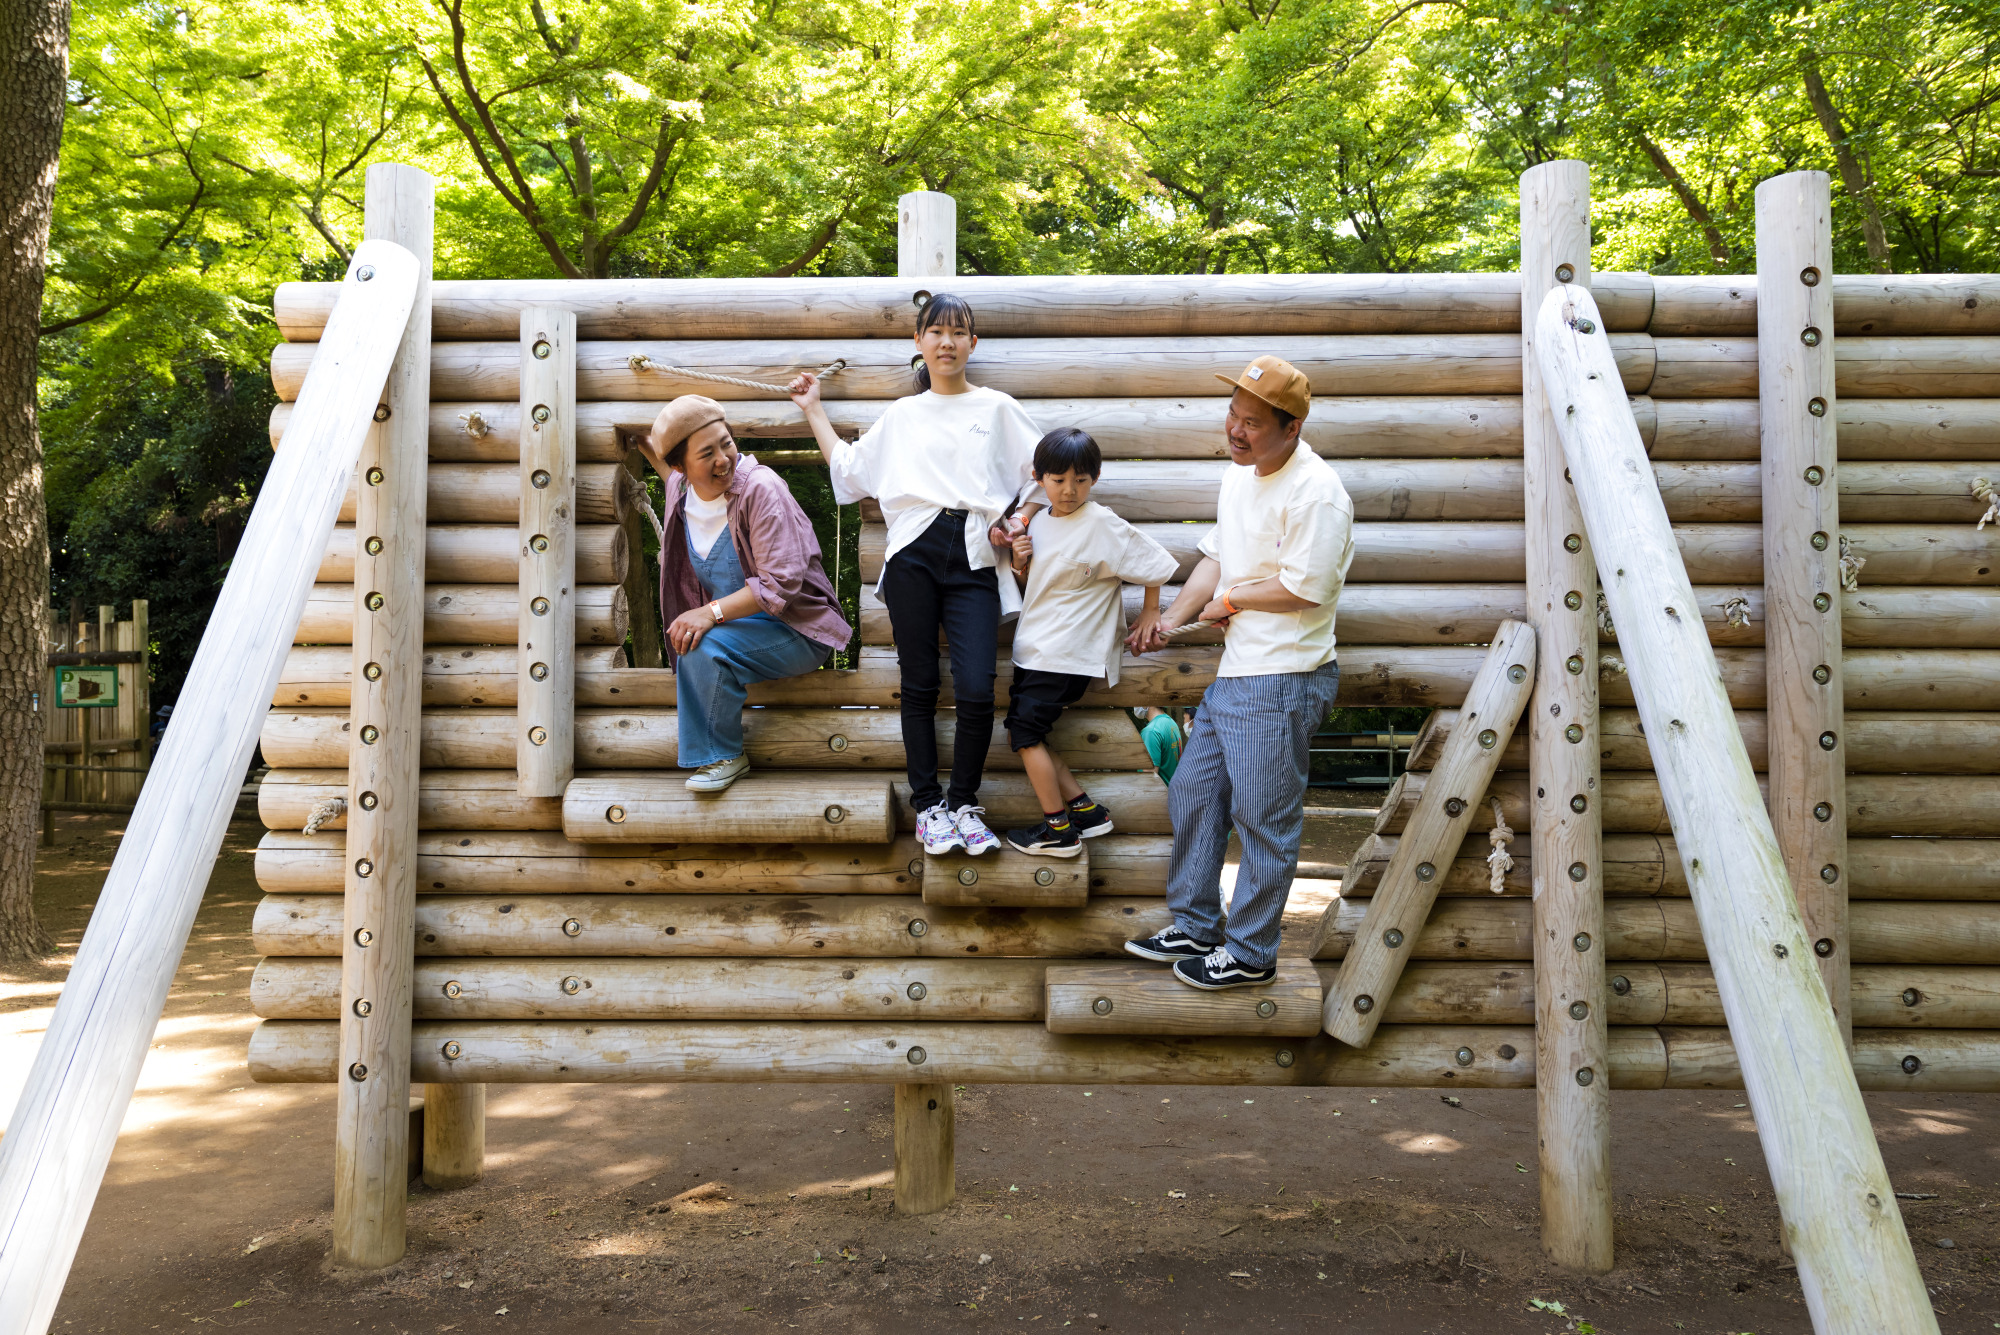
1691	572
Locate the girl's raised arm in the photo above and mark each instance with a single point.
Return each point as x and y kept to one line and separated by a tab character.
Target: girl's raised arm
805	393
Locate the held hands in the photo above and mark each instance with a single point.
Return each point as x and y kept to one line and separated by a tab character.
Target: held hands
1145	635
688	628
1006	532
1024	551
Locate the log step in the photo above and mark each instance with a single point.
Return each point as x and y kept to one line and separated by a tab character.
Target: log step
1148	999
1005	878
758	808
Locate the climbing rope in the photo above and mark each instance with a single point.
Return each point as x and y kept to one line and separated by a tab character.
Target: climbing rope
1499	862
1735	610
325	810
1850	565
1604	626
475	425
1610	665
1983	490
1181	632
632	495
639	361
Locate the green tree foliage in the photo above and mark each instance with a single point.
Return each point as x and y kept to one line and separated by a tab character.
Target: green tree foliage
213	151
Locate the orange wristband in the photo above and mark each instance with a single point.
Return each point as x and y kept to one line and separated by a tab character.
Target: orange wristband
1227	603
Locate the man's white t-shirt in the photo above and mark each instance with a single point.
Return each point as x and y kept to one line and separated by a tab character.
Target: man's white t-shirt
1297	524
1073	615
929	452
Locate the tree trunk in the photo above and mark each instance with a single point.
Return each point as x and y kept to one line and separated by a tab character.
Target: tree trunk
1852	178
1718	248
34	51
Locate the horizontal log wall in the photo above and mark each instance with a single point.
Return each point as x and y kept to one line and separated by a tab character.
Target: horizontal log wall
1419	380
1462	1056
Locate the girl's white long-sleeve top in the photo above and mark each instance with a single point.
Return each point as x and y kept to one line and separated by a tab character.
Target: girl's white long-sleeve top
930	452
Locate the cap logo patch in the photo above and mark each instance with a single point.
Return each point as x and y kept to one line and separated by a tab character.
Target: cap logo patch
1255	373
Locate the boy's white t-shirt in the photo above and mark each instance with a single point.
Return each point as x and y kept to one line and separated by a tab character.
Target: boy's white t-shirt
1073	615
1297	524
929	452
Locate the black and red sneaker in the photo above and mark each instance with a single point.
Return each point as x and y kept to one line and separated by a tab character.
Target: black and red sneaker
1089	817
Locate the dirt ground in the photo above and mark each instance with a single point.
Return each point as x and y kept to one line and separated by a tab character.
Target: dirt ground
611	1209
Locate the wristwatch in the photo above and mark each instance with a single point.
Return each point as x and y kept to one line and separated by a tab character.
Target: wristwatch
715	610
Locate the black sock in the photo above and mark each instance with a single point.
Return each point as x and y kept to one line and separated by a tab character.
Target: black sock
1081	802
1057	820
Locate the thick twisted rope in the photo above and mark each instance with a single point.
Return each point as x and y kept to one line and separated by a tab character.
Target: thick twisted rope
1851	562
324	810
1499	862
639	361
1604	626
1735	610
1983	490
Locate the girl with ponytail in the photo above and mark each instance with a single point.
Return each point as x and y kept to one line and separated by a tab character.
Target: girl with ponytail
948	464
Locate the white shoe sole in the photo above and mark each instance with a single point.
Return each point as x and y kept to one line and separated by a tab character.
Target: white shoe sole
697	784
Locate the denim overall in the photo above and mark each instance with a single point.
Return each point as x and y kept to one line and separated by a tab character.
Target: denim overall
715	676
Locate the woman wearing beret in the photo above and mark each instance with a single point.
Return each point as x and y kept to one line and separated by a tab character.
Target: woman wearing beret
742	593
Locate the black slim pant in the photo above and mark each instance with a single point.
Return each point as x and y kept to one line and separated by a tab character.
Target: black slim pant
927	585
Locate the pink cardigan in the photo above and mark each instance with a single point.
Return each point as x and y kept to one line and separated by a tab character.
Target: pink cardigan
776	547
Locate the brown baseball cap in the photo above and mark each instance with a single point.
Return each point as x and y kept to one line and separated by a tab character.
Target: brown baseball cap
1277	382
679	420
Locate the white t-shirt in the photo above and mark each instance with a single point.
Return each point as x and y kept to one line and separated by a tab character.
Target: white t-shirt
929	452
705	521
1073	615
1297	524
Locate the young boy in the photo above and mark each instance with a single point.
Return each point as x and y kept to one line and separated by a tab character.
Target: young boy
1076	557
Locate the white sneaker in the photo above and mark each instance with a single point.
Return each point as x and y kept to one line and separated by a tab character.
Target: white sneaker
718	776
938	831
972	831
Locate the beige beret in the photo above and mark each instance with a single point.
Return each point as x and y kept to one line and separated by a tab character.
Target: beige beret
682	418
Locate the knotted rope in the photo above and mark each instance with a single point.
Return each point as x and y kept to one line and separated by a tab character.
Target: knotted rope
1604	626
639	361
1735	610
1499	862
632	495
324	810
1850	565
1610	665
1983	490
475	425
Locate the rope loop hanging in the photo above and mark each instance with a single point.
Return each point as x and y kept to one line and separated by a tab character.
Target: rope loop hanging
1499	862
1984	490
639	361
1851	562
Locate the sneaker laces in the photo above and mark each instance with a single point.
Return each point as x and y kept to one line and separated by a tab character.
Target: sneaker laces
974	812
1218	959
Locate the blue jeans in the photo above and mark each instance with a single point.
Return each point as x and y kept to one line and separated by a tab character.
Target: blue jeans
714	679
1245	764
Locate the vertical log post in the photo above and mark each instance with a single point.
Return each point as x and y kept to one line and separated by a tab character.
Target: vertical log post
926	235
926	247
371	1126
1573	1109
545	740
142	678
80	1082
926	1127
454	1135
1856	1268
1808	751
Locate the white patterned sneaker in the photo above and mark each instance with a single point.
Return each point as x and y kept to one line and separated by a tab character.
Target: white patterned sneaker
972	831
938	831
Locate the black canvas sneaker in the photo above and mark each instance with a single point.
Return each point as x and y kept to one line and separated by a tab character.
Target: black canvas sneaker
1045	841
1219	969
1090	818
1170	945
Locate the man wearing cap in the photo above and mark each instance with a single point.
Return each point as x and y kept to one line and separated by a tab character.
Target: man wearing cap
743	596
1270	573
